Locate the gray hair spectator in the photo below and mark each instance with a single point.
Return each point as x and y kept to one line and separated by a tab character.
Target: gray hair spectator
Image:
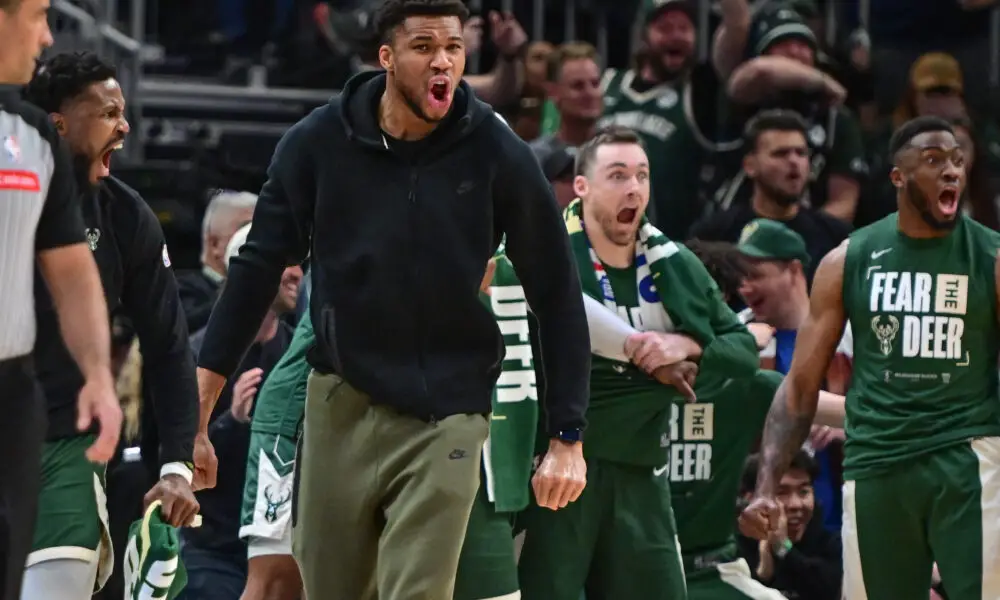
226	213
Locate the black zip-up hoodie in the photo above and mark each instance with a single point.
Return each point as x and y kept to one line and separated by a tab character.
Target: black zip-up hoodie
400	234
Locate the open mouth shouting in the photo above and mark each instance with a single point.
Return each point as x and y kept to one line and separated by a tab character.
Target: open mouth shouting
627	216
106	157
948	200
439	93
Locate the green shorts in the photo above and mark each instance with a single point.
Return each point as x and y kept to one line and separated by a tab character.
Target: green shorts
266	516
941	507
72	508
487	567
617	541
728	581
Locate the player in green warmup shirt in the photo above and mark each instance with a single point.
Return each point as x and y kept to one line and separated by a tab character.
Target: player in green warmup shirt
709	442
618	540
266	519
922	458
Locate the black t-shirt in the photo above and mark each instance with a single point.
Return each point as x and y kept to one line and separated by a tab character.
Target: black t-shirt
820	231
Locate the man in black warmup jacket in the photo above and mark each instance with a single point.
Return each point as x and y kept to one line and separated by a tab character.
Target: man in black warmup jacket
401	189
71	555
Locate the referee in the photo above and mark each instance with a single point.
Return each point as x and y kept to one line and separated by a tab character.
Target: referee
401	189
40	218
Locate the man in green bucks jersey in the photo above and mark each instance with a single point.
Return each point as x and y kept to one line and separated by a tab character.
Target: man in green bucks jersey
266	519
657	99
922	458
618	540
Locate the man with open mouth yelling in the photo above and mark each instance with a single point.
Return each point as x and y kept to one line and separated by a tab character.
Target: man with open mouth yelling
400	189
84	101
919	288
619	540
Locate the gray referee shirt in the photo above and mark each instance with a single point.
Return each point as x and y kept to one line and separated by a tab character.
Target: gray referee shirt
39	210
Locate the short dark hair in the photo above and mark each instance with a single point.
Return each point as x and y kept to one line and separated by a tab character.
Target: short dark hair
392	13
771	120
723	262
566	52
64	77
801	461
10	5
914	127
615	134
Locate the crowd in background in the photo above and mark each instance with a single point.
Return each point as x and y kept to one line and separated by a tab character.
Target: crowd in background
711	174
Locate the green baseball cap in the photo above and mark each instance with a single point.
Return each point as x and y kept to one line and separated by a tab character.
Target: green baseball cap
765	239
776	24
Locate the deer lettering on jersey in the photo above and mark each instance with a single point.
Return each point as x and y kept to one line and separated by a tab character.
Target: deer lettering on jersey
645	123
517	380
919	315
692	429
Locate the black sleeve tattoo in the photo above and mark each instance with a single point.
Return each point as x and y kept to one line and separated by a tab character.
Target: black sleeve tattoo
784	434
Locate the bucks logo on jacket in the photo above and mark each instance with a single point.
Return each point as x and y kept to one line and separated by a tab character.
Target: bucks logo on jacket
508	453
152	565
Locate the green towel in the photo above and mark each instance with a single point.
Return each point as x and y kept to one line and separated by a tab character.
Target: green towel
152	565
508	453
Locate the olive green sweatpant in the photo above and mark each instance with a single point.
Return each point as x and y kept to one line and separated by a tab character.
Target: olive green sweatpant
382	499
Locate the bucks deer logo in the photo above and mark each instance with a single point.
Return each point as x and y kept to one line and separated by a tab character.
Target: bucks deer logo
274	503
885	333
93	236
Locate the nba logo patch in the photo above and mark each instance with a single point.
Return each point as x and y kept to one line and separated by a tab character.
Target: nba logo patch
11	148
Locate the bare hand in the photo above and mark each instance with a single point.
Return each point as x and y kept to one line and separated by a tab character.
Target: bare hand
98	402
244	392
650	350
681	375
472	32
561	477
507	34
760	517
821	436
779	533
206	465
835	93
762	334
491	269
178	505
765	567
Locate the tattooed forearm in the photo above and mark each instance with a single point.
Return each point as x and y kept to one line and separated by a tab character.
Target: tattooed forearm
784	433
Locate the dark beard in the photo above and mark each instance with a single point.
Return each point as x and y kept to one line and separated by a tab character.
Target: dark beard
779	196
414	105
922	203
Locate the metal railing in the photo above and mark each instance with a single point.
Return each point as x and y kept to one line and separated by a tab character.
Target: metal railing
91	27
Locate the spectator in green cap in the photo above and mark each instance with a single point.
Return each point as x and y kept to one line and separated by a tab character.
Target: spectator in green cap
775	286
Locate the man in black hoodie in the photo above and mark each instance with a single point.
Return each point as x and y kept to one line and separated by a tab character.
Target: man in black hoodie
401	189
71	555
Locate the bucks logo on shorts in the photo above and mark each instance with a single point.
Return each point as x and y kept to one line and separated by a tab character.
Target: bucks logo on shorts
274	500
152	566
